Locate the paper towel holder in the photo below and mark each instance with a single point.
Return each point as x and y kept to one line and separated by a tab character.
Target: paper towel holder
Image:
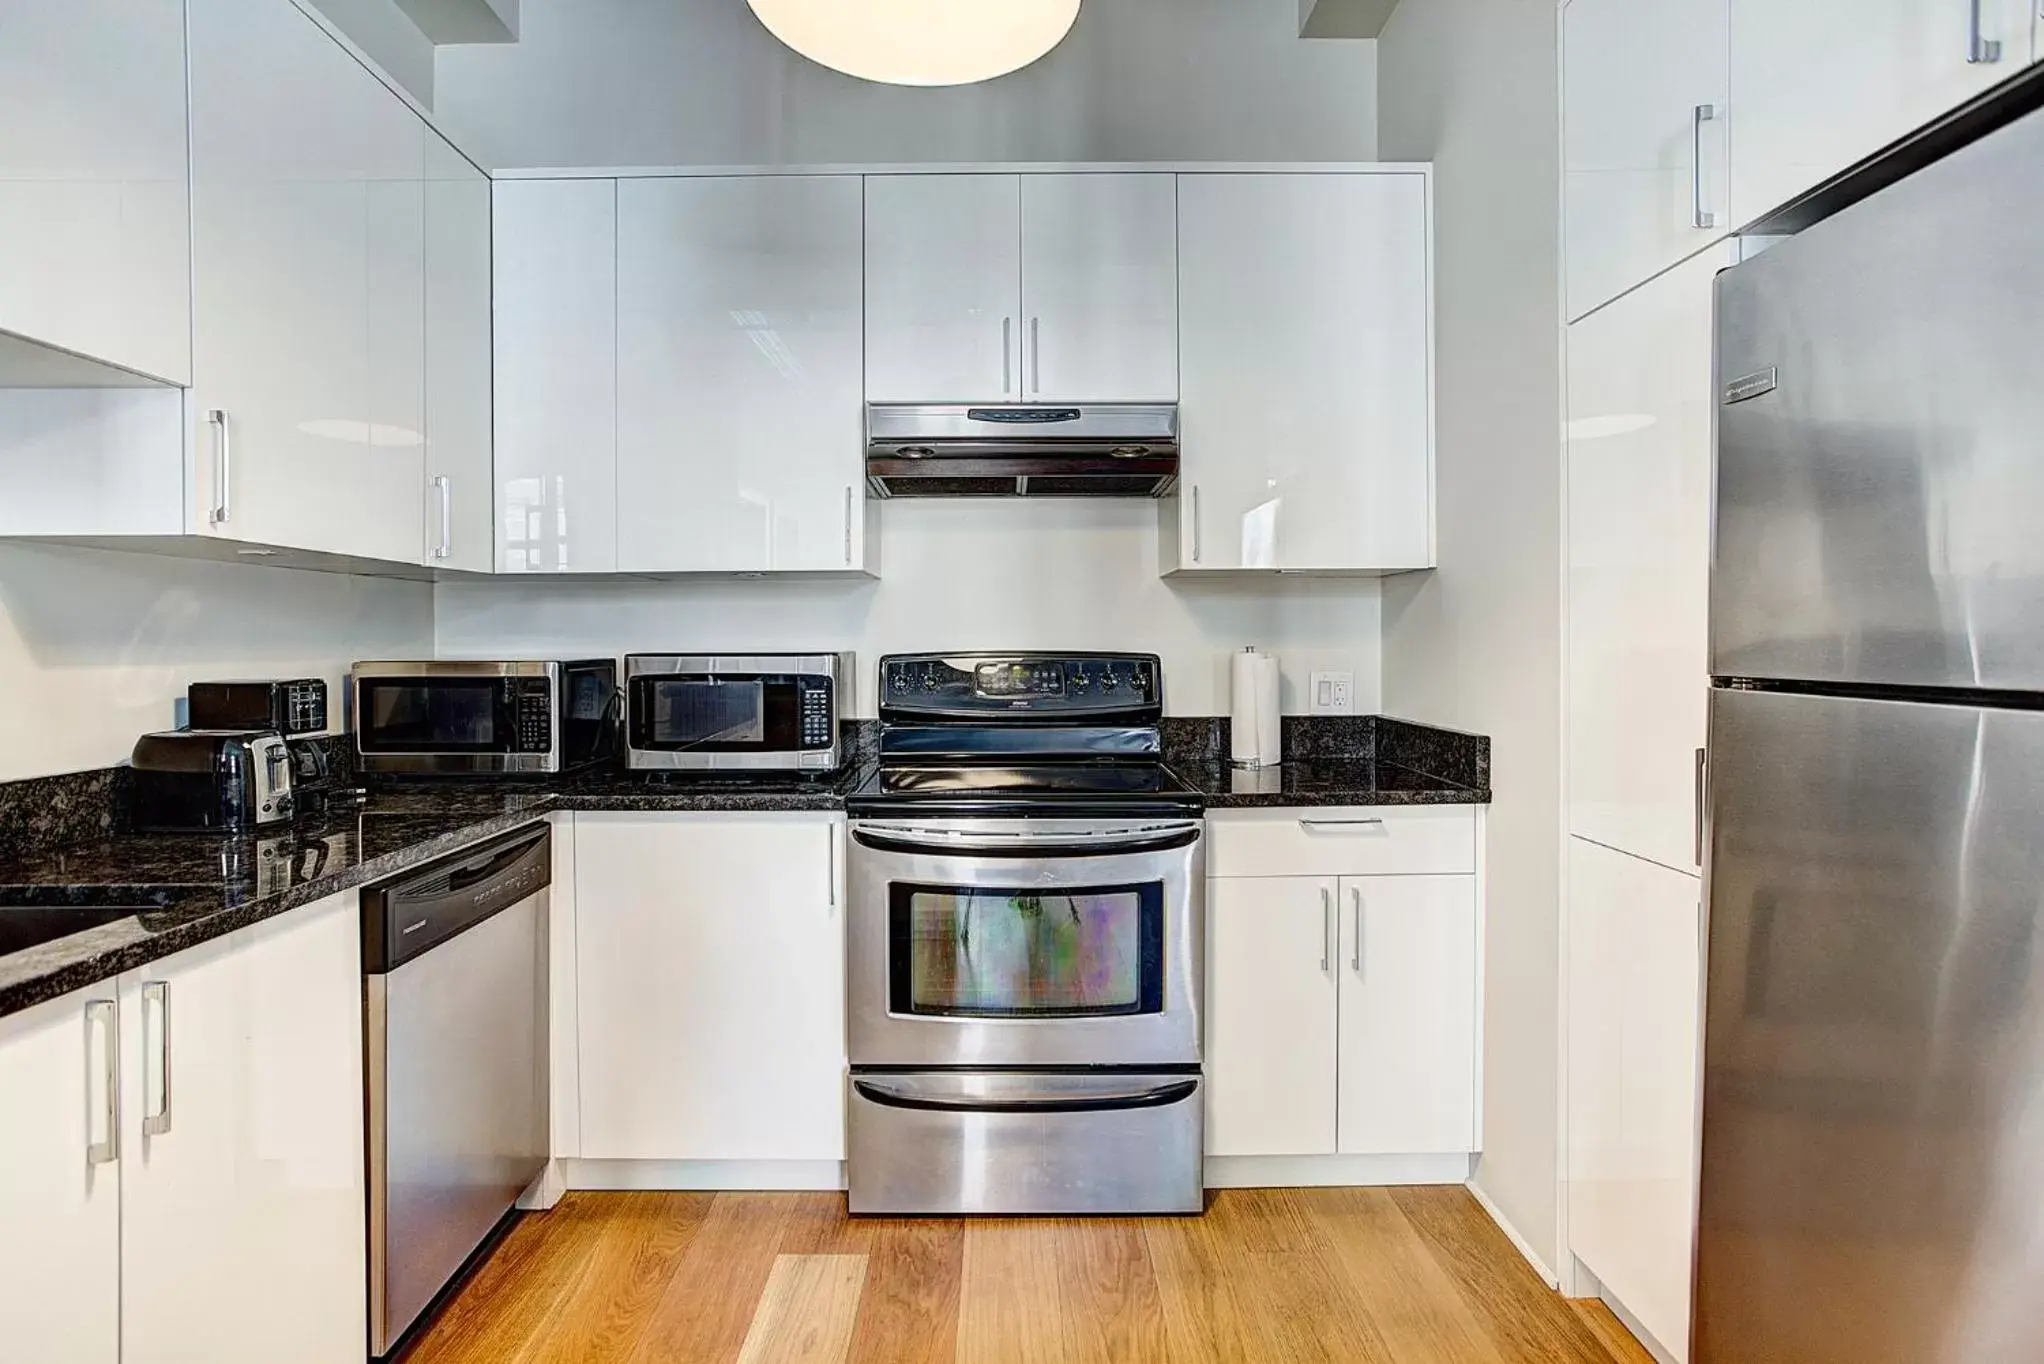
1260	759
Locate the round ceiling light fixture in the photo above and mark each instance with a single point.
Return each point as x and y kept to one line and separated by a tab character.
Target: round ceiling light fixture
920	42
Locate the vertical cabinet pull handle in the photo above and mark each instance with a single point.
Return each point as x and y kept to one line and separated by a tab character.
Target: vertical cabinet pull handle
830	887
445	487
1704	113
1701	783
848	524
100	1017
157	992
1195	523
1326	929
1036	355
223	468
1980	50
1007	356
1356	958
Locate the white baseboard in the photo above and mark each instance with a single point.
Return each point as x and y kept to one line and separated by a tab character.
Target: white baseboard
1631	1323
1281	1172
730	1175
1525	1248
544	1191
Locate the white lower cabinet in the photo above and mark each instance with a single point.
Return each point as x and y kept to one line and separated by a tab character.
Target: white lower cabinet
1341	1010
1635	1005
710	974
243	1213
60	1182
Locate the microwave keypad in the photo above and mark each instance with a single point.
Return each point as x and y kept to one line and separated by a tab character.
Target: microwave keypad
816	717
535	721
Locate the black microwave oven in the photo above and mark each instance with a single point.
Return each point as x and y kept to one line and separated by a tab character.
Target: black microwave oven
472	718
734	712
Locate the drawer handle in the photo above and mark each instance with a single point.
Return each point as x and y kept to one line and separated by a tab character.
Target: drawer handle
1310	824
1160	1096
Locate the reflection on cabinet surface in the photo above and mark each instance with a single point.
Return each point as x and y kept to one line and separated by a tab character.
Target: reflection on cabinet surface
943	288
459	459
1306	372
740	379
1635	1005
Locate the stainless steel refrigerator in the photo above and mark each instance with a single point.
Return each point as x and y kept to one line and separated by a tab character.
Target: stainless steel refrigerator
1872	1181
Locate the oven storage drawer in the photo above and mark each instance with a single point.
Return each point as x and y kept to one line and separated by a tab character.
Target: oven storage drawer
1375	841
1019	1143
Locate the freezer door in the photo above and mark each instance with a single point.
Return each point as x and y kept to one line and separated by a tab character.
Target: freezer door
1872	1185
1880	412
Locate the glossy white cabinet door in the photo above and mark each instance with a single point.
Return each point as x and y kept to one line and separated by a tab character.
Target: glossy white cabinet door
243	1222
555	262
943	288
1408	1014
710	966
1635	1000
1305	372
1645	88
1100	288
1819	84
1639	493
458	494
307	245
60	1182
94	203
740	382
1270	1032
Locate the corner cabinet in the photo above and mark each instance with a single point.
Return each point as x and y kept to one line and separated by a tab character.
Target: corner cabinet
1306	371
710	980
740	374
1343	982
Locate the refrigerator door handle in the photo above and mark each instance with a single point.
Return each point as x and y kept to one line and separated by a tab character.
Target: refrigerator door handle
1697	804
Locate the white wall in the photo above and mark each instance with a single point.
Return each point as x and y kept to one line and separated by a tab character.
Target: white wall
701	83
96	647
956	575
1471	85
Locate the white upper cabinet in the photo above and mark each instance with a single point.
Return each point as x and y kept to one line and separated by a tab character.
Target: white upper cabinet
1099	288
943	288
555	261
243	1212
1306	374
458	452
740	387
1639	495
94	207
1643	139
1634	988
60	1181
710	970
1819	84
308	223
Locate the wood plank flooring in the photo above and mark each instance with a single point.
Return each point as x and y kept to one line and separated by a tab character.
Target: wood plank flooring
1289	1276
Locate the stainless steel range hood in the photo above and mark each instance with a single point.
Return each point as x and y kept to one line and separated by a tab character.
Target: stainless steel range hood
1023	450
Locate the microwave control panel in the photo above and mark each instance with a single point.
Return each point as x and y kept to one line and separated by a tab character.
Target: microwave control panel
535	712
814	705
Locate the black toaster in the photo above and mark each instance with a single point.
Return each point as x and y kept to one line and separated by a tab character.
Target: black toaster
193	780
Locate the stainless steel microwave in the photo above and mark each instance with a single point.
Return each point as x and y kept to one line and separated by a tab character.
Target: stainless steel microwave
735	712
470	718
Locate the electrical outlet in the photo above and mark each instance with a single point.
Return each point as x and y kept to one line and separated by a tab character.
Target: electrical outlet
1333	694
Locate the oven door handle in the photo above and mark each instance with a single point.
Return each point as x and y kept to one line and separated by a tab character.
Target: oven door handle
910	838
1109	1100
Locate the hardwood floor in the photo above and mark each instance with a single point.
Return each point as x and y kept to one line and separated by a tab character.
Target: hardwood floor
1404	1276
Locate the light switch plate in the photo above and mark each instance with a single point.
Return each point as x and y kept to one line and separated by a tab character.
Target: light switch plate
1332	694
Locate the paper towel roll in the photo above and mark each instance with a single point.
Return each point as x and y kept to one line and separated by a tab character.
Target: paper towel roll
1253	713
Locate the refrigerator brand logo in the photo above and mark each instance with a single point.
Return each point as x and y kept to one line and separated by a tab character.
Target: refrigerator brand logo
1752	386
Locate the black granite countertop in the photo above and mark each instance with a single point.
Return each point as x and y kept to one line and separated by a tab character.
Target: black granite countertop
1324	782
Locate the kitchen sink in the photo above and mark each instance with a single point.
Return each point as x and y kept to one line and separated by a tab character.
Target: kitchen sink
33	915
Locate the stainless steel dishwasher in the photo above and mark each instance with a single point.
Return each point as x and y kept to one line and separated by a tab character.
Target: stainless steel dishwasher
454	958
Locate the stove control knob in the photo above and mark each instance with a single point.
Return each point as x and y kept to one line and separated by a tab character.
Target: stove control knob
1110	680
929	682
900	682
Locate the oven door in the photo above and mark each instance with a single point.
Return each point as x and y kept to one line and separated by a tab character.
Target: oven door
992	943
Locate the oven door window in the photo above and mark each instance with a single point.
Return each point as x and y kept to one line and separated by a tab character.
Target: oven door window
973	952
435	715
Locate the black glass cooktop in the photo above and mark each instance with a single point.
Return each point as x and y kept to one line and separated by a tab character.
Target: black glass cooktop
1028	788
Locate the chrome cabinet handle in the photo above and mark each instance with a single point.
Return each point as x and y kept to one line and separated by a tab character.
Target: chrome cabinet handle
1195	523
1326	929
223	468
102	1012
1356	958
830	873
1703	217
848	523
445	486
1701	765
1007	356
1339	823
1036	355
1980	50
158	992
